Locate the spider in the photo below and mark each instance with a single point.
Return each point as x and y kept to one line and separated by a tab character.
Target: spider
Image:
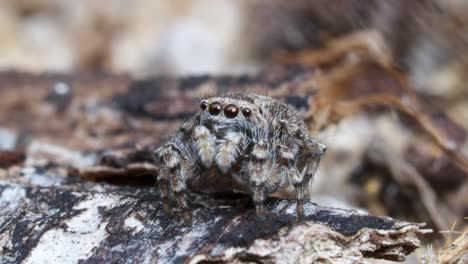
238	142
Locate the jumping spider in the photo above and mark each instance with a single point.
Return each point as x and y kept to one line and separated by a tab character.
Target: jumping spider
238	142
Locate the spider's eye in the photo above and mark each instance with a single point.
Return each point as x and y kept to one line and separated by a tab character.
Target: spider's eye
231	111
246	112
215	108
203	105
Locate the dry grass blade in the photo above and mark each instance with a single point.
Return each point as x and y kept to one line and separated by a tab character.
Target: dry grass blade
457	251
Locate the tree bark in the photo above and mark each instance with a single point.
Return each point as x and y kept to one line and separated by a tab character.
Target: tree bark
79	223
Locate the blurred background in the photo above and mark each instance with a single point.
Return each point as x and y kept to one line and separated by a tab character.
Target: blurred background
382	83
138	37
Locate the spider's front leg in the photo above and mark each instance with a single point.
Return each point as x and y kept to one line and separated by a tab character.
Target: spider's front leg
171	180
172	171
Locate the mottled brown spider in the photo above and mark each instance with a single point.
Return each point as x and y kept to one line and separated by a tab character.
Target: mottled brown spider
238	142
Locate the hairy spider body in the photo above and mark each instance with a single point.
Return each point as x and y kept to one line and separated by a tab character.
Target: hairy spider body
238	142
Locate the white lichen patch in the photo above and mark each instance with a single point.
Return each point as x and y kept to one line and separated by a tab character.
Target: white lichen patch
59	246
40	179
83	233
11	198
134	224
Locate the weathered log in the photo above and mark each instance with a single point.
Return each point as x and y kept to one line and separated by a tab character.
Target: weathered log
99	223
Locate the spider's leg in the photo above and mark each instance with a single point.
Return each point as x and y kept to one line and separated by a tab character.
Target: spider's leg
295	178
313	147
303	167
172	172
258	168
167	161
163	184
310	154
170	177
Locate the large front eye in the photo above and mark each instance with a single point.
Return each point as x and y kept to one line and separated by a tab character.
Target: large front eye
215	108
231	111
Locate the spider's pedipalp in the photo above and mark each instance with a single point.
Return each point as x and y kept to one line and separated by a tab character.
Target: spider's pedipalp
228	150
205	143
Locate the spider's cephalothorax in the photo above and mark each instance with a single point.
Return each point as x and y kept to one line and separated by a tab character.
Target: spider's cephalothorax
238	142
